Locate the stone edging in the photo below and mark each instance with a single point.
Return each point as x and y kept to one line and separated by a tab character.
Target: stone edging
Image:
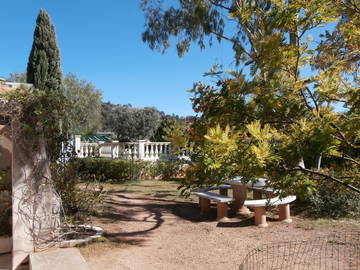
74	242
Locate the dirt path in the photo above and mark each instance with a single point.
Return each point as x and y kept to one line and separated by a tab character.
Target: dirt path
153	233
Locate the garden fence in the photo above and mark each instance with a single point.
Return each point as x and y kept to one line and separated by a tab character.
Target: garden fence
335	251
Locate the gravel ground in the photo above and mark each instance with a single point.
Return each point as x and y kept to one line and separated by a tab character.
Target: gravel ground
146	232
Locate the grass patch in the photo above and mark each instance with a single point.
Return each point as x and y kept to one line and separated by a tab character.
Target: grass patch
155	188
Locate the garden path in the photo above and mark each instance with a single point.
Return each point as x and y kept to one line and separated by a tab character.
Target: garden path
155	232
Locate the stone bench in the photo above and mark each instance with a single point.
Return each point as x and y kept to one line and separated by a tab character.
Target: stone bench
260	205
223	189
204	200
259	190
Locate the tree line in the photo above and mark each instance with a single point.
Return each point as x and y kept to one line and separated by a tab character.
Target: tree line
89	114
129	123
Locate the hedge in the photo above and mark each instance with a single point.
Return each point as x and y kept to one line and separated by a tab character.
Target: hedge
110	170
120	171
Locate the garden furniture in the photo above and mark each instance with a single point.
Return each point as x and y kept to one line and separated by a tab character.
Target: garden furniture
239	193
222	203
240	204
260	209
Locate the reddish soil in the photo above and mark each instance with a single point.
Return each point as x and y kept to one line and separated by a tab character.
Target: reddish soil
155	233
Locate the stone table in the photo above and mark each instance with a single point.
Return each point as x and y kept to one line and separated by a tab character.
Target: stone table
239	193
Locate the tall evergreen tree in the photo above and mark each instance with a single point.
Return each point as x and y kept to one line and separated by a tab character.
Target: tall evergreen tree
43	68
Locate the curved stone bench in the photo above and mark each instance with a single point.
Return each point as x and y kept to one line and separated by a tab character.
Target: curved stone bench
204	200
259	190
260	213
223	189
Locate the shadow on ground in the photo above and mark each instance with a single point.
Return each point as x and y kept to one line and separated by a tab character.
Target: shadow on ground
121	210
246	222
146	214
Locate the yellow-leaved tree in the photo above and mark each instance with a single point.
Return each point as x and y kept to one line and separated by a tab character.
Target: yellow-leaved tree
290	112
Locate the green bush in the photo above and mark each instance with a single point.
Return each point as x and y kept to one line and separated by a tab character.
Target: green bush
167	169
79	200
120	171
112	170
332	202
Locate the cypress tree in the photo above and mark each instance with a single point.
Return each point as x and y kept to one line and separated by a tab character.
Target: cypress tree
43	69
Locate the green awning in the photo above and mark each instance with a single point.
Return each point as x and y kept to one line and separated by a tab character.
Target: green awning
96	138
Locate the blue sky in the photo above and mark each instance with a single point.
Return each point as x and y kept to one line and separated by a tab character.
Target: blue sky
100	41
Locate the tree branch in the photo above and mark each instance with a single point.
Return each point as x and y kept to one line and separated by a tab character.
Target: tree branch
312	98
216	3
342	137
352	6
305	100
346	157
337	180
232	41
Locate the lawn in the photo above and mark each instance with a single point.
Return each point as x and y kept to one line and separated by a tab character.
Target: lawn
156	188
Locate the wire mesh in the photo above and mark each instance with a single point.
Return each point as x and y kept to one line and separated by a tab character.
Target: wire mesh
336	251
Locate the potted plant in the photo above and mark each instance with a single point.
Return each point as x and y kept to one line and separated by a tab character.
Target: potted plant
5	216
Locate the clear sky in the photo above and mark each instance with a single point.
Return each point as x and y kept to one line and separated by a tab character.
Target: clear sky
100	41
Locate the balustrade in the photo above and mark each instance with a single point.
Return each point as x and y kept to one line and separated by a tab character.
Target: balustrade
87	149
139	150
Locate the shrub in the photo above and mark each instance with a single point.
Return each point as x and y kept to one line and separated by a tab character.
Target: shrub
112	170
78	200
121	171
167	169
332	202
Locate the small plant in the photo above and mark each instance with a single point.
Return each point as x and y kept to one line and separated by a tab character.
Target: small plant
167	169
78	199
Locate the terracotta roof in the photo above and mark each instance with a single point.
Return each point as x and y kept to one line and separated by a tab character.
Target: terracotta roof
5	88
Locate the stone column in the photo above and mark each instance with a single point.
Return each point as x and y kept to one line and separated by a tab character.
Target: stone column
114	146
141	147
77	144
239	194
36	208
100	143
